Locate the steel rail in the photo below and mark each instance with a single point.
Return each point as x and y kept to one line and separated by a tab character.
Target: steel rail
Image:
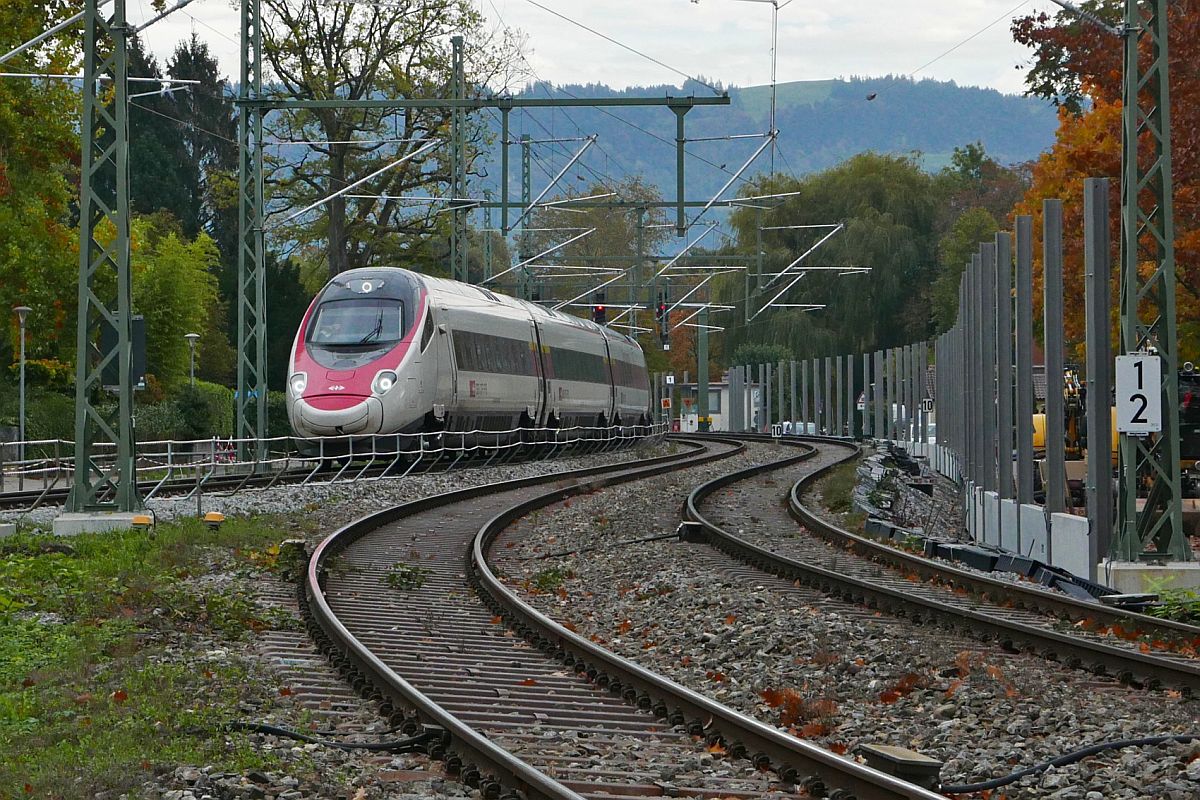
472	753
1127	665
795	761
1024	597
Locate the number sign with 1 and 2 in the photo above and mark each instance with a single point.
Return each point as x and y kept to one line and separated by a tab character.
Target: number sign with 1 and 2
1139	398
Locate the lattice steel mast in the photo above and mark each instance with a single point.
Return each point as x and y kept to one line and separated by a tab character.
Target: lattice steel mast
105	296
1148	303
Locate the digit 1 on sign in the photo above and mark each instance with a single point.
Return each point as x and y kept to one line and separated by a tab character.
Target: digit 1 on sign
1139	400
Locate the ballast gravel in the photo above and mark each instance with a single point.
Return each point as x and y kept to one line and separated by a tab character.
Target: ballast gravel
341	501
829	672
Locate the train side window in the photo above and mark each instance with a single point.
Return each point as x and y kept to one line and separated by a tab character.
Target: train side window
427	331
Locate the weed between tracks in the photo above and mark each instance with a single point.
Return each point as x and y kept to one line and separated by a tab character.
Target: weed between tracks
836	491
404	576
101	681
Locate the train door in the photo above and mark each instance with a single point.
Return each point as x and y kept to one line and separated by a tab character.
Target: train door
610	368
446	393
539	365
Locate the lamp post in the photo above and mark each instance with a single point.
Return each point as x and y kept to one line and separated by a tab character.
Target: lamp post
191	340
21	312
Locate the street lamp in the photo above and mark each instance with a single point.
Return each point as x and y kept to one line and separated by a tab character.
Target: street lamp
21	312
191	340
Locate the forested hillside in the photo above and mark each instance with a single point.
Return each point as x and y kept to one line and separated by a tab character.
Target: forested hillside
821	124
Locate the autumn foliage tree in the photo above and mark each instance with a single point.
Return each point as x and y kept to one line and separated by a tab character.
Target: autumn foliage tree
1075	62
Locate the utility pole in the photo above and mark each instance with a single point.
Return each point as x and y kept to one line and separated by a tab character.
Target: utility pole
105	297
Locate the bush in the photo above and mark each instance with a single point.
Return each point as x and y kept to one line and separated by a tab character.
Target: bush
221	409
49	415
157	421
277	415
195	414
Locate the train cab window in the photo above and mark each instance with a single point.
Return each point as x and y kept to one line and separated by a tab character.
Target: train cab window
357	322
427	331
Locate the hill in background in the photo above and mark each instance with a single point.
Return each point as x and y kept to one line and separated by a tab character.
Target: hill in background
821	123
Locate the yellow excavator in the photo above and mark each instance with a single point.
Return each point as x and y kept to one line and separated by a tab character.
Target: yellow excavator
1075	431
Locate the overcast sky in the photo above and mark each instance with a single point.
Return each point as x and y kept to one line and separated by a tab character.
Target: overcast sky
729	40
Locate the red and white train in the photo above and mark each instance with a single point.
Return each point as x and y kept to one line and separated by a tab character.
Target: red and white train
385	351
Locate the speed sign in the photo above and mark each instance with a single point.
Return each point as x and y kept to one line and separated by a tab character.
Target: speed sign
1139	398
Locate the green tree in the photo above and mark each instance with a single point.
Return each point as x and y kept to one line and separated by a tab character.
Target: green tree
888	207
613	242
39	151
760	353
174	286
379	51
286	303
954	251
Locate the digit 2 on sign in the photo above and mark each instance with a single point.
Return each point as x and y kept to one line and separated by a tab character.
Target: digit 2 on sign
1139	399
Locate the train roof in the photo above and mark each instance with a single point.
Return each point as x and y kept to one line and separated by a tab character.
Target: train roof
473	292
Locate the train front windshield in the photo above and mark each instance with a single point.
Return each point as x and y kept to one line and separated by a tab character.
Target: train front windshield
357	322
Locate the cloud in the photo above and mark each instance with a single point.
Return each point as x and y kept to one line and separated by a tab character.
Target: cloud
725	40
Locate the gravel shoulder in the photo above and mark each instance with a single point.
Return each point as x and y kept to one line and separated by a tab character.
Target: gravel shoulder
829	672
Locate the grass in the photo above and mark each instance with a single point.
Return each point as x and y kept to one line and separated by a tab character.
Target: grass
837	489
101	682
1181	605
404	576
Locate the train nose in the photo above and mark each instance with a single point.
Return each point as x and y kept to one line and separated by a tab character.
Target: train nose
341	415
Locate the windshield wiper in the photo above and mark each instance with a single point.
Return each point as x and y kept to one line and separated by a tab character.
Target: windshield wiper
375	332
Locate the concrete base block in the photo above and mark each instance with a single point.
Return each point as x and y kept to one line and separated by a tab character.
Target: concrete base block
991	518
98	522
7	529
1033	531
1010	538
1069	544
969	515
1136	577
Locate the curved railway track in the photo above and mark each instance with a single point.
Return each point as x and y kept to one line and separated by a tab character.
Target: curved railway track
524	703
1133	647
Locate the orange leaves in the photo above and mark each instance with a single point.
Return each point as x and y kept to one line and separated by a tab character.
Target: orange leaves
285	691
570	626
119	696
528	682
839	747
953	688
730	619
812	730
716	748
796	708
624	627
715	677
496	620
686	661
902	687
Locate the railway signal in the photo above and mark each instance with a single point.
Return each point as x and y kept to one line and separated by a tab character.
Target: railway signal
598	312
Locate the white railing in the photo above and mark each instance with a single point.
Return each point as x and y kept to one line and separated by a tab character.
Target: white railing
225	466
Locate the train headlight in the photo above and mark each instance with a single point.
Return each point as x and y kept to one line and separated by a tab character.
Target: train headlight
298	382
383	382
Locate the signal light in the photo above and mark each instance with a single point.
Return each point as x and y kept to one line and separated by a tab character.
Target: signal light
598	312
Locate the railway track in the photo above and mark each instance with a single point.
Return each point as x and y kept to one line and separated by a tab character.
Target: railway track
525	704
1134	647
